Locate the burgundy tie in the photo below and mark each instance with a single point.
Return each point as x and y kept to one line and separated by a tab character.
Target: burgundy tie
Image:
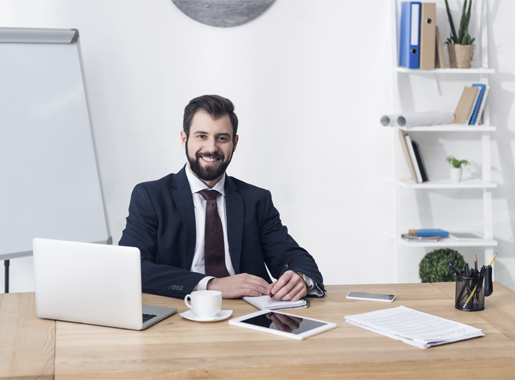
214	252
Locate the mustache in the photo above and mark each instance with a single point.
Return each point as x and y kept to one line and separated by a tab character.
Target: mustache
211	155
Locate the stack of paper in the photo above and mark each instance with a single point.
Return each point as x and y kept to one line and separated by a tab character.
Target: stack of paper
263	304
414	327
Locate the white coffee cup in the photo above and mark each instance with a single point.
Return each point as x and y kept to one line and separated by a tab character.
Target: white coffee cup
205	303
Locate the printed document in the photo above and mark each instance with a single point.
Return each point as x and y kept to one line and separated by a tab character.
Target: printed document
414	327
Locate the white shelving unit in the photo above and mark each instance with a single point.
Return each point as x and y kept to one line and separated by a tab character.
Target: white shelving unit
445	71
482	132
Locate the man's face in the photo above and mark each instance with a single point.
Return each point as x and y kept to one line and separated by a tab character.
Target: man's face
209	146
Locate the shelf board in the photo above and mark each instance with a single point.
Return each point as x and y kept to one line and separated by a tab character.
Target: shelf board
450	243
448	184
451	128
445	71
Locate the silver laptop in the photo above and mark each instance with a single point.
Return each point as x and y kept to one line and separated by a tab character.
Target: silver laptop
92	283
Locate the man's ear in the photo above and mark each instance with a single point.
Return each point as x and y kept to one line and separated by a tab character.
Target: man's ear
236	138
184	137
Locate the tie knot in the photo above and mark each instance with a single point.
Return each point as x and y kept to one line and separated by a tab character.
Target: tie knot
209	195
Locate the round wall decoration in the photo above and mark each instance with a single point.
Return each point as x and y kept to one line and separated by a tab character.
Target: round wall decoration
223	13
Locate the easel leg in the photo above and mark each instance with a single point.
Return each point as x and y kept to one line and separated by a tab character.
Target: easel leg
6	264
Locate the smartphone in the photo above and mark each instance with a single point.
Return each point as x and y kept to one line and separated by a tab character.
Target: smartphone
371	297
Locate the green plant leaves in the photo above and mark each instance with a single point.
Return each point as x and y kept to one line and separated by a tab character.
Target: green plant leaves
434	267
453	31
456	163
463	37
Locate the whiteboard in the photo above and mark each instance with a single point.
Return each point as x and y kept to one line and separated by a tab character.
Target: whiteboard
50	184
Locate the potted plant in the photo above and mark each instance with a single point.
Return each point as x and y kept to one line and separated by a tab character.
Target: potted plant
456	167
434	267
460	46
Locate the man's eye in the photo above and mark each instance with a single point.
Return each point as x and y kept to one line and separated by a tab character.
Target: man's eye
223	139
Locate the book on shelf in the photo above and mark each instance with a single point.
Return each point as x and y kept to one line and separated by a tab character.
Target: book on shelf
409	49
427	36
479	118
439	58
465	107
413	158
420	161
478	102
422	239
402	137
428	232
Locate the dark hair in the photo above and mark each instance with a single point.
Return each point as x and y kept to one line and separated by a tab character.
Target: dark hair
215	105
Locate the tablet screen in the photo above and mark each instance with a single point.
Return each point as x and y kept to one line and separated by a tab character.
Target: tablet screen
283	322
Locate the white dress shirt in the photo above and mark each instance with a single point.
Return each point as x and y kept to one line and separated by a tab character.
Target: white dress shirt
199	204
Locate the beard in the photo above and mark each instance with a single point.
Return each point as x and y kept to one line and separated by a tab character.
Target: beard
207	173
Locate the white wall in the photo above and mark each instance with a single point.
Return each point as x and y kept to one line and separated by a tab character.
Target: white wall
309	79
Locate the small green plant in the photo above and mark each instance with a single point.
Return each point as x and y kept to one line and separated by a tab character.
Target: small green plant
434	267
463	37
456	163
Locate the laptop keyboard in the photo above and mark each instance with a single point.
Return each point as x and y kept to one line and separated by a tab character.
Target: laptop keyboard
147	317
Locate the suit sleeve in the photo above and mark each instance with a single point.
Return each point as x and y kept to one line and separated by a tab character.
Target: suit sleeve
280	248
142	229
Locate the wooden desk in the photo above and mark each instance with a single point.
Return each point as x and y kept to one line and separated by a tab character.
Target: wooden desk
27	343
177	348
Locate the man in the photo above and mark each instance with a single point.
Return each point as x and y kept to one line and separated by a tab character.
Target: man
201	229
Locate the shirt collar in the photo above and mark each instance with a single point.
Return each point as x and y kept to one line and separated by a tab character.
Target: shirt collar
197	185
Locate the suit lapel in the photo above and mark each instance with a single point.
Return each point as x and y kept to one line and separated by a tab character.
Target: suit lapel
235	217
181	194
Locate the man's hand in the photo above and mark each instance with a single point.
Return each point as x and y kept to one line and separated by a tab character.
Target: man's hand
289	287
239	285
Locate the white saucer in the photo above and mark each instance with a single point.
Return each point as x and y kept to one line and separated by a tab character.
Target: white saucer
222	314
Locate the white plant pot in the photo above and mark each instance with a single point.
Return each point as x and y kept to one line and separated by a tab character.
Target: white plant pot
456	174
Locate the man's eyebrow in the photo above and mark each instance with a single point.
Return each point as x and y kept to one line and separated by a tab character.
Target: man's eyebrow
217	135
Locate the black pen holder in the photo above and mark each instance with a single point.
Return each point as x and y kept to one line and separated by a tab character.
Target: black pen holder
470	294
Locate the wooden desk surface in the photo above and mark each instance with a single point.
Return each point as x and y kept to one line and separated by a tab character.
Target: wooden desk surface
27	343
177	348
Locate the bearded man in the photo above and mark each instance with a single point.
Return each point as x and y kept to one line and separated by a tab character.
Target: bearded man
200	229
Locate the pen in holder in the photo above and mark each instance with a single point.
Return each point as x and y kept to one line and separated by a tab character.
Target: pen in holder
470	292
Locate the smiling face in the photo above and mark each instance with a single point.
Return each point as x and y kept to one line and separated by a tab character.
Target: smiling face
209	146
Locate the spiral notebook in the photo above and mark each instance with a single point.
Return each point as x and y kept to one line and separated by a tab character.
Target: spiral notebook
262	303
479	119
466	105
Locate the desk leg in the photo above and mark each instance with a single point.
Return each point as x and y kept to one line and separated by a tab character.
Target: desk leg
6	264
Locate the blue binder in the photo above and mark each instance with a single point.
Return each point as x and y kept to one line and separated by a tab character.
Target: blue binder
476	108
409	49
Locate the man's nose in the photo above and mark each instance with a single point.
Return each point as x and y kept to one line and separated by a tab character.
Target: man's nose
211	145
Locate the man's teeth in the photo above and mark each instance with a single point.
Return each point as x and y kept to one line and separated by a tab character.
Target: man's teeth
209	159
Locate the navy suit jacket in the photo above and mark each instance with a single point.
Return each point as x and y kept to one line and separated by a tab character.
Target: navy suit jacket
161	223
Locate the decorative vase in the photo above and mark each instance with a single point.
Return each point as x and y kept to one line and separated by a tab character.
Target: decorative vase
452	56
456	174
460	55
